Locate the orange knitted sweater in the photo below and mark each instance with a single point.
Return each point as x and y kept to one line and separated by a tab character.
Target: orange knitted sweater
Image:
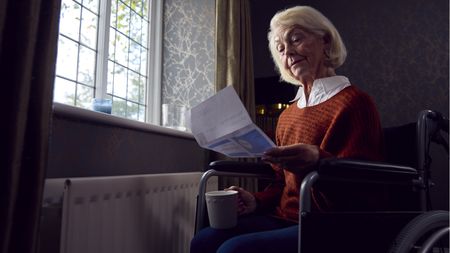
346	126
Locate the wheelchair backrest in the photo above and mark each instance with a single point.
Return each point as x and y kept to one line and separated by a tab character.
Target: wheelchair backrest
409	145
400	145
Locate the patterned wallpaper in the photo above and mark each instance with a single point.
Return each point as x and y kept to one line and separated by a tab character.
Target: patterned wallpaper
188	55
398	53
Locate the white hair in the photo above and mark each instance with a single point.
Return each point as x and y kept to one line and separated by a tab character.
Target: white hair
313	21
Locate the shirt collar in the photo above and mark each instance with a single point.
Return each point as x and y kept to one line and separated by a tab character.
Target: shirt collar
322	90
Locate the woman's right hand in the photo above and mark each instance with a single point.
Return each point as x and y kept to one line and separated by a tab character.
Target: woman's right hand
294	158
246	200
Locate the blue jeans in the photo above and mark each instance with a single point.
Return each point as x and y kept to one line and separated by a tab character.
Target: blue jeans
253	234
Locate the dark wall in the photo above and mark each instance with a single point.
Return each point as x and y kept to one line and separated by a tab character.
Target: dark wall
261	13
398	52
82	146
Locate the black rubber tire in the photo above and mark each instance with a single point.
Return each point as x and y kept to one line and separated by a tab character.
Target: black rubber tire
417	229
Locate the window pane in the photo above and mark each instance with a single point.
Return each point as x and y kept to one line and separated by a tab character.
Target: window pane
133	86
142	89
119	107
144	12
109	86
144	56
64	91
123	18
120	81
66	64
127	67
127	2
121	53
113	18
70	19
112	44
86	70
136	5
144	35
135	27
92	5
132	110
141	113
134	56
84	96
89	28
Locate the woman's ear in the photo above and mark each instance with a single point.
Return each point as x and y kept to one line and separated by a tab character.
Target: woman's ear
327	45
327	49
327	39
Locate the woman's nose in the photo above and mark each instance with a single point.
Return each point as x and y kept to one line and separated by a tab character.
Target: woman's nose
289	50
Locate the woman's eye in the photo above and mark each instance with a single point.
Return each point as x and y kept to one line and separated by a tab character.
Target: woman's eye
280	49
296	38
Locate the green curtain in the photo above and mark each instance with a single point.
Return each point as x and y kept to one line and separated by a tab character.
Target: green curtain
28	46
234	64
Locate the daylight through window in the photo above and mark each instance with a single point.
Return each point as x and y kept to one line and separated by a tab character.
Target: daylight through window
104	56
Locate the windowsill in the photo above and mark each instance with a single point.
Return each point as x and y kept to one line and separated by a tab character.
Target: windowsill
73	112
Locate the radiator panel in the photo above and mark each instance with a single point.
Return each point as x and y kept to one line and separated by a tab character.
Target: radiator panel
143	213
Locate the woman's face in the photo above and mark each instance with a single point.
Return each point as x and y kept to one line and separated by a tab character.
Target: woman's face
302	53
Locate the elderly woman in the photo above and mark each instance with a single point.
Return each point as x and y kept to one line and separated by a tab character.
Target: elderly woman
328	118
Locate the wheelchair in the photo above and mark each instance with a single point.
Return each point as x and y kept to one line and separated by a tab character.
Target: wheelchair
406	224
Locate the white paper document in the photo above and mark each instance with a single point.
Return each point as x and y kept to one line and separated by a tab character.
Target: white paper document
222	124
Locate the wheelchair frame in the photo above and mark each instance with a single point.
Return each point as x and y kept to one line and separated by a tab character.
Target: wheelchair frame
429	125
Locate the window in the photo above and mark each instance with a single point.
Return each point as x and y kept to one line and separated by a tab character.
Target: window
103	52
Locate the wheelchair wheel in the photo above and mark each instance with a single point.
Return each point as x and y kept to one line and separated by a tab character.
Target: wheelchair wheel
427	232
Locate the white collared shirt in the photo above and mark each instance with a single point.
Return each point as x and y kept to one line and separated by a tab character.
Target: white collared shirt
322	90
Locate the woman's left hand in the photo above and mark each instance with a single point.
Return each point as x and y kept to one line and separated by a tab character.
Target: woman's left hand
246	201
293	158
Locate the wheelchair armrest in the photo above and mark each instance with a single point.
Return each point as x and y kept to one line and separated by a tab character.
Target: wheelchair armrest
228	168
355	171
264	169
365	170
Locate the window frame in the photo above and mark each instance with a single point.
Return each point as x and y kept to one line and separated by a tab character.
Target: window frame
154	91
154	59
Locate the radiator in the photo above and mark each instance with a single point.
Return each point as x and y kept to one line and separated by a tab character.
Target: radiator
130	214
